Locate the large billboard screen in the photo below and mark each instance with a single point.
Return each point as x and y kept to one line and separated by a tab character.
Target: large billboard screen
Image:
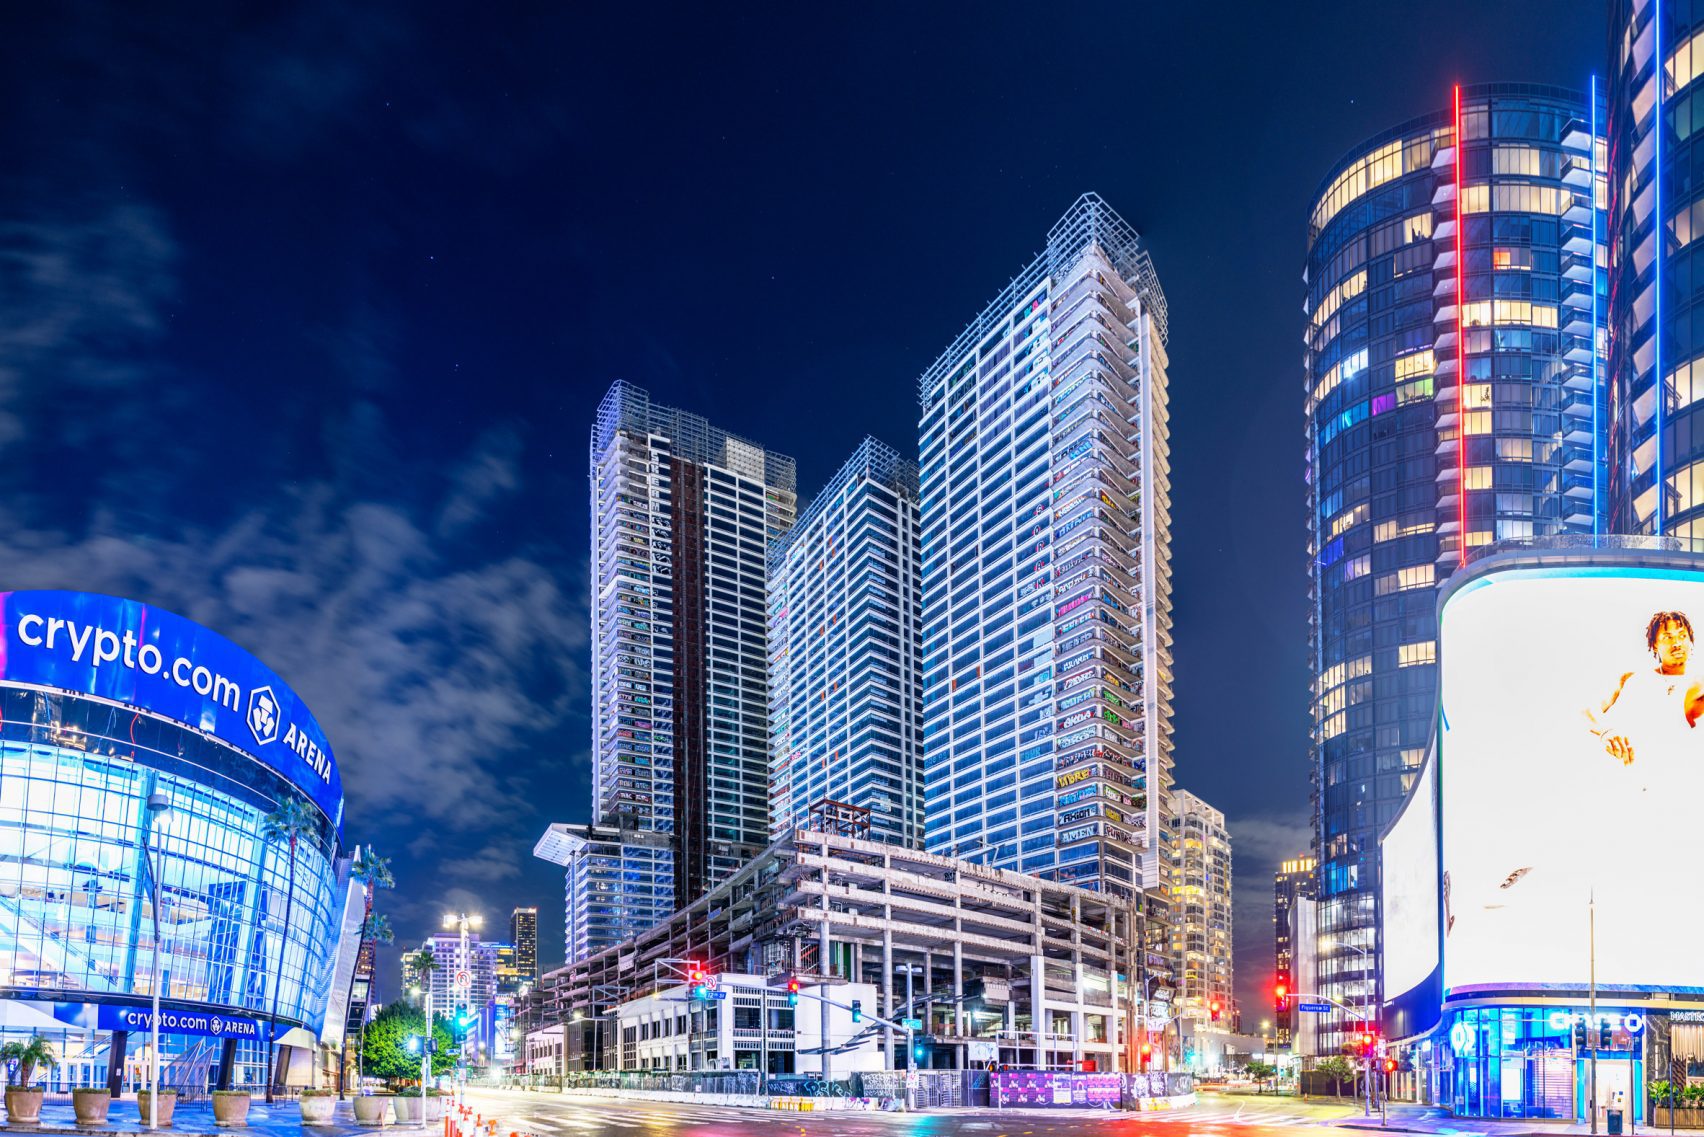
146	657
1410	882
1572	771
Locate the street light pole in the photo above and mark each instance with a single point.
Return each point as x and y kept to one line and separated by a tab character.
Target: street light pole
159	804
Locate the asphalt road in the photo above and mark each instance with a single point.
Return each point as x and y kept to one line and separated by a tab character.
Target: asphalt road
548	1115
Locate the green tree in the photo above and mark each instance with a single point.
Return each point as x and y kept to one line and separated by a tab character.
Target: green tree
373	871
286	825
1260	1072
1338	1069
28	1055
384	1049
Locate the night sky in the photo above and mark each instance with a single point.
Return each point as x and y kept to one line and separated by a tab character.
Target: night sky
305	309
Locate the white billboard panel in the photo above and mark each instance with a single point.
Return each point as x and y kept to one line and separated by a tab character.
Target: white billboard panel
1410	883
1572	768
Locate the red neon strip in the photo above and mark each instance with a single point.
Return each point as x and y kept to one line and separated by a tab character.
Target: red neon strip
1461	354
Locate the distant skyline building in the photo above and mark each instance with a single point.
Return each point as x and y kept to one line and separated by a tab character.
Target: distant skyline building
845	613
1046	569
1201	925
616	882
1294	881
1445	301
682	517
523	933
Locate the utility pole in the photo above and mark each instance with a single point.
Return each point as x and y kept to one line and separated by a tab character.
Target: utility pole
1591	1001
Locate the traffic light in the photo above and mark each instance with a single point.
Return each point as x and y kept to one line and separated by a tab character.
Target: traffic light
1604	1031
857	1010
694	973
1390	1065
919	1049
1214	1008
414	1044
1579	1035
1281	991
1147	1054
792	992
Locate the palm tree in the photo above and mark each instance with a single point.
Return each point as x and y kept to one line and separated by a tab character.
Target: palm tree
287	824
373	871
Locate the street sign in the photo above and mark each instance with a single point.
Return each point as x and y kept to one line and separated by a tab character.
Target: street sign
1315	1008
911	1024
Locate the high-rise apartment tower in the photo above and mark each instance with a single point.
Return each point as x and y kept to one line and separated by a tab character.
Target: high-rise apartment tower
1656	218
1201	923
845	610
1451	378
523	933
682	517
1046	569
1293	881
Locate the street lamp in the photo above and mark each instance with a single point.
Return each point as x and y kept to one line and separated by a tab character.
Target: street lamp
425	1050
159	807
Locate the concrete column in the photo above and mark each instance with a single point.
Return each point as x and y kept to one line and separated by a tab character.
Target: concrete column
887	984
958	991
1038	1012
116	1049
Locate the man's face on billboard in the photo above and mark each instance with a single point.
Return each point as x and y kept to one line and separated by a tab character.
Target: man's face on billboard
1673	646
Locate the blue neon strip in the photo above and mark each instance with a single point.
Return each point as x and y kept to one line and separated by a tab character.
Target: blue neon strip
1661	228
1597	394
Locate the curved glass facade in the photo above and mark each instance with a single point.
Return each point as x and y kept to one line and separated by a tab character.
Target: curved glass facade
1451	379
77	921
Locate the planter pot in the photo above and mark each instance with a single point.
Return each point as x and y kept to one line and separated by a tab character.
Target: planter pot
434	1109
91	1106
168	1103
318	1109
230	1108
408	1110
372	1110
23	1106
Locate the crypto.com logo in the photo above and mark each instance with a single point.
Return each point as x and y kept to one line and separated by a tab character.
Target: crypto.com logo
263	715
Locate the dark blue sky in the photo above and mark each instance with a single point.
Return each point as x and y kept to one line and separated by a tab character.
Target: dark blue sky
304	310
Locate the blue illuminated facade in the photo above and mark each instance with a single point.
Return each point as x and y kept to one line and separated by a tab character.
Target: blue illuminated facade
104	702
845	609
1656	222
1046	569
1453	391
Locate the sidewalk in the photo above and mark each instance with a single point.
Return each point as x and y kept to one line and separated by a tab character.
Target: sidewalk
1404	1118
195	1119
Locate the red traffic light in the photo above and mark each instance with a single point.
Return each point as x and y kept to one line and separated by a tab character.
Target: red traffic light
1390	1065
1281	991
1214	1007
792	986
695	973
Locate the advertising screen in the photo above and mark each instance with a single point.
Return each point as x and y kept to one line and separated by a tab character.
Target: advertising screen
1410	881
148	658
1572	772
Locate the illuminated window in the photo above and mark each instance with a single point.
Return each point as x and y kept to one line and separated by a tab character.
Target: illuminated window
1411	655
1476	314
1477	477
1475	199
1414	391
1476	396
1514	449
1415	363
1516	159
1476	422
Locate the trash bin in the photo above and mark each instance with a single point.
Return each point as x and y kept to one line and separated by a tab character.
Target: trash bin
1614	1117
